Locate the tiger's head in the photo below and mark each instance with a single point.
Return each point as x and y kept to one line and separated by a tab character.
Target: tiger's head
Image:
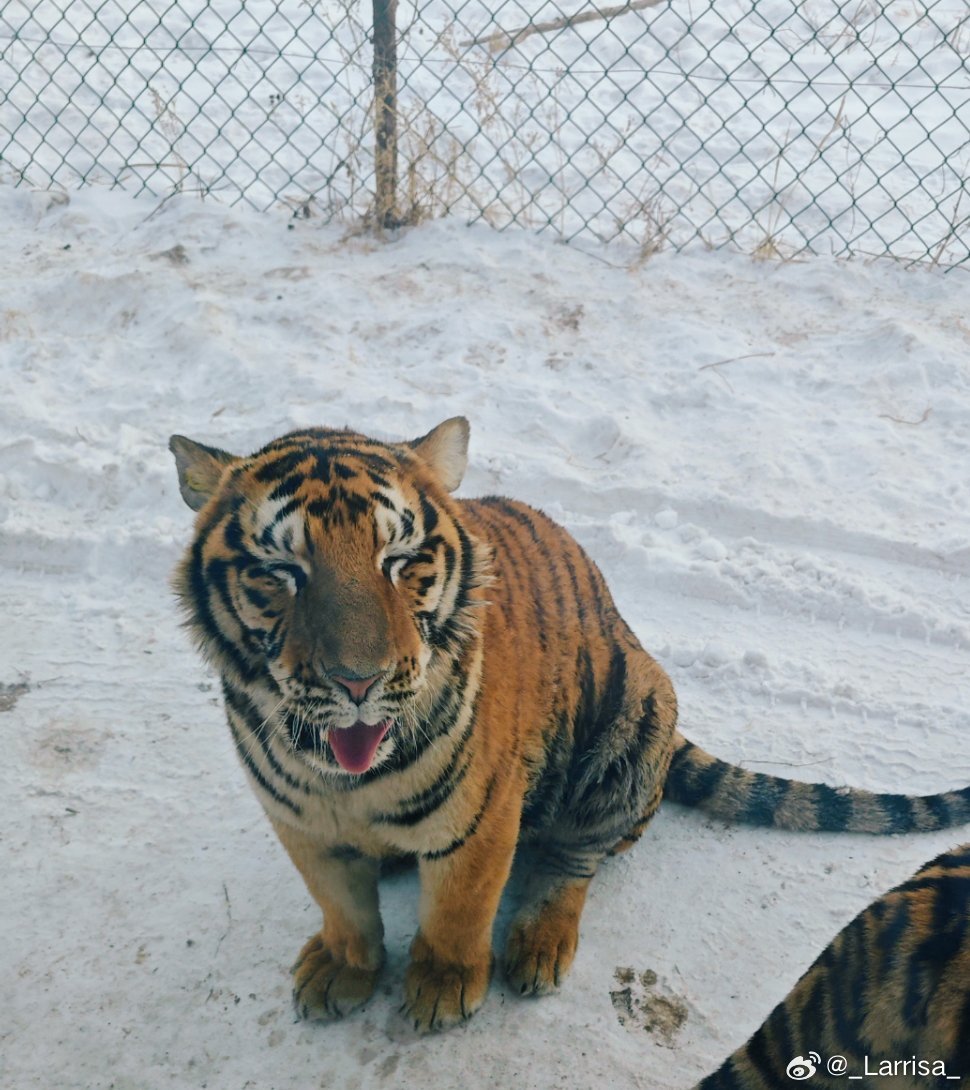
332	570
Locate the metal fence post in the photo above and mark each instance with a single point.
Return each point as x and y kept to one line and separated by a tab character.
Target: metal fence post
385	112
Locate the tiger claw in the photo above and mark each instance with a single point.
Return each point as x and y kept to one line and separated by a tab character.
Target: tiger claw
326	988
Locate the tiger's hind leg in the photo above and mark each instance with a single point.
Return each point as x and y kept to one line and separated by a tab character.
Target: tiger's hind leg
543	936
611	790
626	842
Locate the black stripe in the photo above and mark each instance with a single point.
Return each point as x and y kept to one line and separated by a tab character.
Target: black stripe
845	961
833	808
320	508
579	602
375	462
282	512
300	437
426	802
953	859
502	537
543	800
900	816
377	478
268	535
952	902
649	724
278	468
217	580
449	700
450	556
287	487
345	853
467	558
339	506
551	560
725	1078
472	828
691	783
939	950
613	696
607	777
586	689
447	633
780	1024
205	619
444	789
598	594
323	465
524	573
765	796
760	1057
270	790
284	442
247	711
232	532
513	510
939	807
274	639
429	514
567	862
808	1021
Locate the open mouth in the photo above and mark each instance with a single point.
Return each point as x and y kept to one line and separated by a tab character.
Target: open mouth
354	747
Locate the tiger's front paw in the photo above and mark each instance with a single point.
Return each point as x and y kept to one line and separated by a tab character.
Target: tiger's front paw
439	994
539	952
327	987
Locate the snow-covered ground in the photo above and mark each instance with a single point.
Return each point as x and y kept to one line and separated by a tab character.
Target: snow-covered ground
769	462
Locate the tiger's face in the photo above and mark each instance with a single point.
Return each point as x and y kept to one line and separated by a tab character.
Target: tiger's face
330	569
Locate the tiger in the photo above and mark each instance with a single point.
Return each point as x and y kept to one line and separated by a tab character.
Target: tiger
411	675
888	998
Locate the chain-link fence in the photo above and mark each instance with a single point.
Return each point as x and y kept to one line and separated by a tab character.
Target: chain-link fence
779	126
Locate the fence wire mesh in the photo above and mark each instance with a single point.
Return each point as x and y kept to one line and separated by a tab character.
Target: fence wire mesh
778	126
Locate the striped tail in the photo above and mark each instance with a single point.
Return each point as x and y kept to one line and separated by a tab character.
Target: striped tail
733	794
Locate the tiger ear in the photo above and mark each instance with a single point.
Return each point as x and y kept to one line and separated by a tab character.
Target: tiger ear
199	468
445	449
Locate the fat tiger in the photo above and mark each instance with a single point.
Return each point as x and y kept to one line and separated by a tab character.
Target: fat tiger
889	995
406	673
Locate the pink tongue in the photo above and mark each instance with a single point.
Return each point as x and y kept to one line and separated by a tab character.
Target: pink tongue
354	747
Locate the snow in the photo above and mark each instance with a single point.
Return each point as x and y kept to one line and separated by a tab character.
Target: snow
767	460
778	124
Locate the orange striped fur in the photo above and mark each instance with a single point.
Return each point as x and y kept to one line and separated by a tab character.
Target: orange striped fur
890	995
410	674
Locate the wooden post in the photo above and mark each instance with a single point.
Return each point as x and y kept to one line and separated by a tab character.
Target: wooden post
385	111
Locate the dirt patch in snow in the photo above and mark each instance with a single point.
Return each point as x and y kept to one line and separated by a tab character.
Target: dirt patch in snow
10	693
643	1002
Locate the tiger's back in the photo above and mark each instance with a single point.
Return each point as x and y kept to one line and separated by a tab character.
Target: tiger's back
890	994
591	706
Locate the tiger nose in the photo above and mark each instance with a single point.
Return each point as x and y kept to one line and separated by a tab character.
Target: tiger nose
357	687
